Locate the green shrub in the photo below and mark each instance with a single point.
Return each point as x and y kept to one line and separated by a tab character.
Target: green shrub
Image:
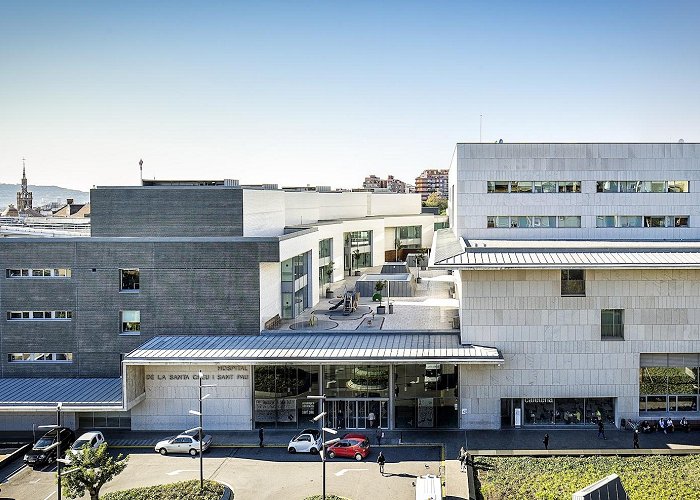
550	478
328	497
184	490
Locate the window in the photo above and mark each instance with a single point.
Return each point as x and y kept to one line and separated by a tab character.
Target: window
129	280
677	186
29	357
60	272
532	221
324	248
39	315
679	221
654	221
521	187
497	186
573	282
605	221
612	323
570	187
629	221
533	186
131	322
568	221
642	186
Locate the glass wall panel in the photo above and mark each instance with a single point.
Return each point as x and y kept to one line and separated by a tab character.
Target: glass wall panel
280	394
539	411
426	396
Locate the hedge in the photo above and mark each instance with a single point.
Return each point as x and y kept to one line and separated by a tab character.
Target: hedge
643	477
184	490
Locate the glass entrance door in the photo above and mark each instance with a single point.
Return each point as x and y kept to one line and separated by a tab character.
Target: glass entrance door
356	414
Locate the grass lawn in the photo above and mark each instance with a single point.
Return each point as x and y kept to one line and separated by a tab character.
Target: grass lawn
644	477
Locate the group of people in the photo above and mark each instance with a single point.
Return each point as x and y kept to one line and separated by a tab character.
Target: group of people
666	425
463	459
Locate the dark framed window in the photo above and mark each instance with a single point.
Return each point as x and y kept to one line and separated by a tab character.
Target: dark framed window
612	324
573	283
131	322
129	280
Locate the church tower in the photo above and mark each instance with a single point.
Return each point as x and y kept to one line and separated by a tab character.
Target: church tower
24	197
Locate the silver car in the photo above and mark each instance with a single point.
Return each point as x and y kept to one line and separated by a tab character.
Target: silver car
183	443
308	440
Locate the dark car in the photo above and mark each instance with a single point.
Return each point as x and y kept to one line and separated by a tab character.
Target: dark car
44	451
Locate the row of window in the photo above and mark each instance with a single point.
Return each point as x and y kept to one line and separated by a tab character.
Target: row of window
60	272
527	221
641	221
533	186
51	357
642	186
38	315
575	186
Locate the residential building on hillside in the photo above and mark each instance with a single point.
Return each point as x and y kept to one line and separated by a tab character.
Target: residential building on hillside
580	263
390	184
432	181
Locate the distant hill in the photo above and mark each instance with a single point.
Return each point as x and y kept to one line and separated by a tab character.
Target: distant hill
42	194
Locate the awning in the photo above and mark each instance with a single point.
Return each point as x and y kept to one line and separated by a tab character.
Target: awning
87	394
312	347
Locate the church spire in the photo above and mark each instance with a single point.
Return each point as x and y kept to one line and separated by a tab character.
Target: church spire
24	196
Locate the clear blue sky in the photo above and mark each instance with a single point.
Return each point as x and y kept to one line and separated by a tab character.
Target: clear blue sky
328	92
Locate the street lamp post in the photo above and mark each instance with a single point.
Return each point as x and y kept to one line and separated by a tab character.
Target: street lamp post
57	445
200	414
322	418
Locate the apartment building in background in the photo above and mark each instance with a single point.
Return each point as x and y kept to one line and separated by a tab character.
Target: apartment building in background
432	181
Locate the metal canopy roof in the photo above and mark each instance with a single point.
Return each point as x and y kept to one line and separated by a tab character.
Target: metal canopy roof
45	393
311	347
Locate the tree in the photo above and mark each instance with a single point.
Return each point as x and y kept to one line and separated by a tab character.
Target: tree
89	470
379	286
355	259
435	200
329	274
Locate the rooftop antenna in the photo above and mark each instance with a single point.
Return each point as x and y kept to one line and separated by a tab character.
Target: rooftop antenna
141	169
480	121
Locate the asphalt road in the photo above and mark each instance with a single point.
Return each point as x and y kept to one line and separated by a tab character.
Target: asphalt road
253	473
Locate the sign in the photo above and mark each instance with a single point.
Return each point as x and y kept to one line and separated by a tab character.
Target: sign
539	400
308	408
518	417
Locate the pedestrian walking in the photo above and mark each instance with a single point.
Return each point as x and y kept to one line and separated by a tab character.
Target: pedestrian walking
261	435
380	435
462	459
380	461
635	439
601	430
546	441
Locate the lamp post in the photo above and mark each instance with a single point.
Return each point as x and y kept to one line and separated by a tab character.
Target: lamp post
322	418
56	445
200	414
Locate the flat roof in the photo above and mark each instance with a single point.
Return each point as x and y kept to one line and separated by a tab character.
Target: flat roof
72	393
311	347
543	254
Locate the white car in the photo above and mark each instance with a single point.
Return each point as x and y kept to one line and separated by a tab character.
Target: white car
94	439
307	441
183	443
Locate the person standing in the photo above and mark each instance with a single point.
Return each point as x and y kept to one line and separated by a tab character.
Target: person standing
370	419
380	461
635	439
601	430
462	456
546	441
261	435
380	435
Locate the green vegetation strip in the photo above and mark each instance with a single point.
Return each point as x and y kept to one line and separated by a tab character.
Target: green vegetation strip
644	477
184	490
328	497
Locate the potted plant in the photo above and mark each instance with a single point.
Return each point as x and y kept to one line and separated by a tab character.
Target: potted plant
329	275
420	259
381	309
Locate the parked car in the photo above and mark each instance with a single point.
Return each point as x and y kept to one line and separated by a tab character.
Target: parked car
93	439
44	451
351	445
307	441
183	443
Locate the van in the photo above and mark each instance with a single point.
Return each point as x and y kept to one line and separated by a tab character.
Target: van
428	488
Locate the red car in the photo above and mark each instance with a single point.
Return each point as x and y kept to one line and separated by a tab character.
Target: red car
352	446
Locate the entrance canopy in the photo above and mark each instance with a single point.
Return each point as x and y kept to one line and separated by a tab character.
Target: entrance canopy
86	394
312	347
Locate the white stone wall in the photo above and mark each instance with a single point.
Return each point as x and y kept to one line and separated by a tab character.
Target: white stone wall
270	291
552	345
475	164
263	212
172	390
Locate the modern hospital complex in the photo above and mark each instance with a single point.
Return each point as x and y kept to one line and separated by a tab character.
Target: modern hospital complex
567	286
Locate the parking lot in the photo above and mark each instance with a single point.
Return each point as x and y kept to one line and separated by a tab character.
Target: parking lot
252	473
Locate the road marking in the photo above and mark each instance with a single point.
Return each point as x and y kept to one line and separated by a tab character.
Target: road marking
52	494
342	472
176	472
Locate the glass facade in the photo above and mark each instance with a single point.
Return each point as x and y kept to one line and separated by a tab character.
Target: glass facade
358	249
668	389
557	411
409	236
295	291
325	262
281	395
426	396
